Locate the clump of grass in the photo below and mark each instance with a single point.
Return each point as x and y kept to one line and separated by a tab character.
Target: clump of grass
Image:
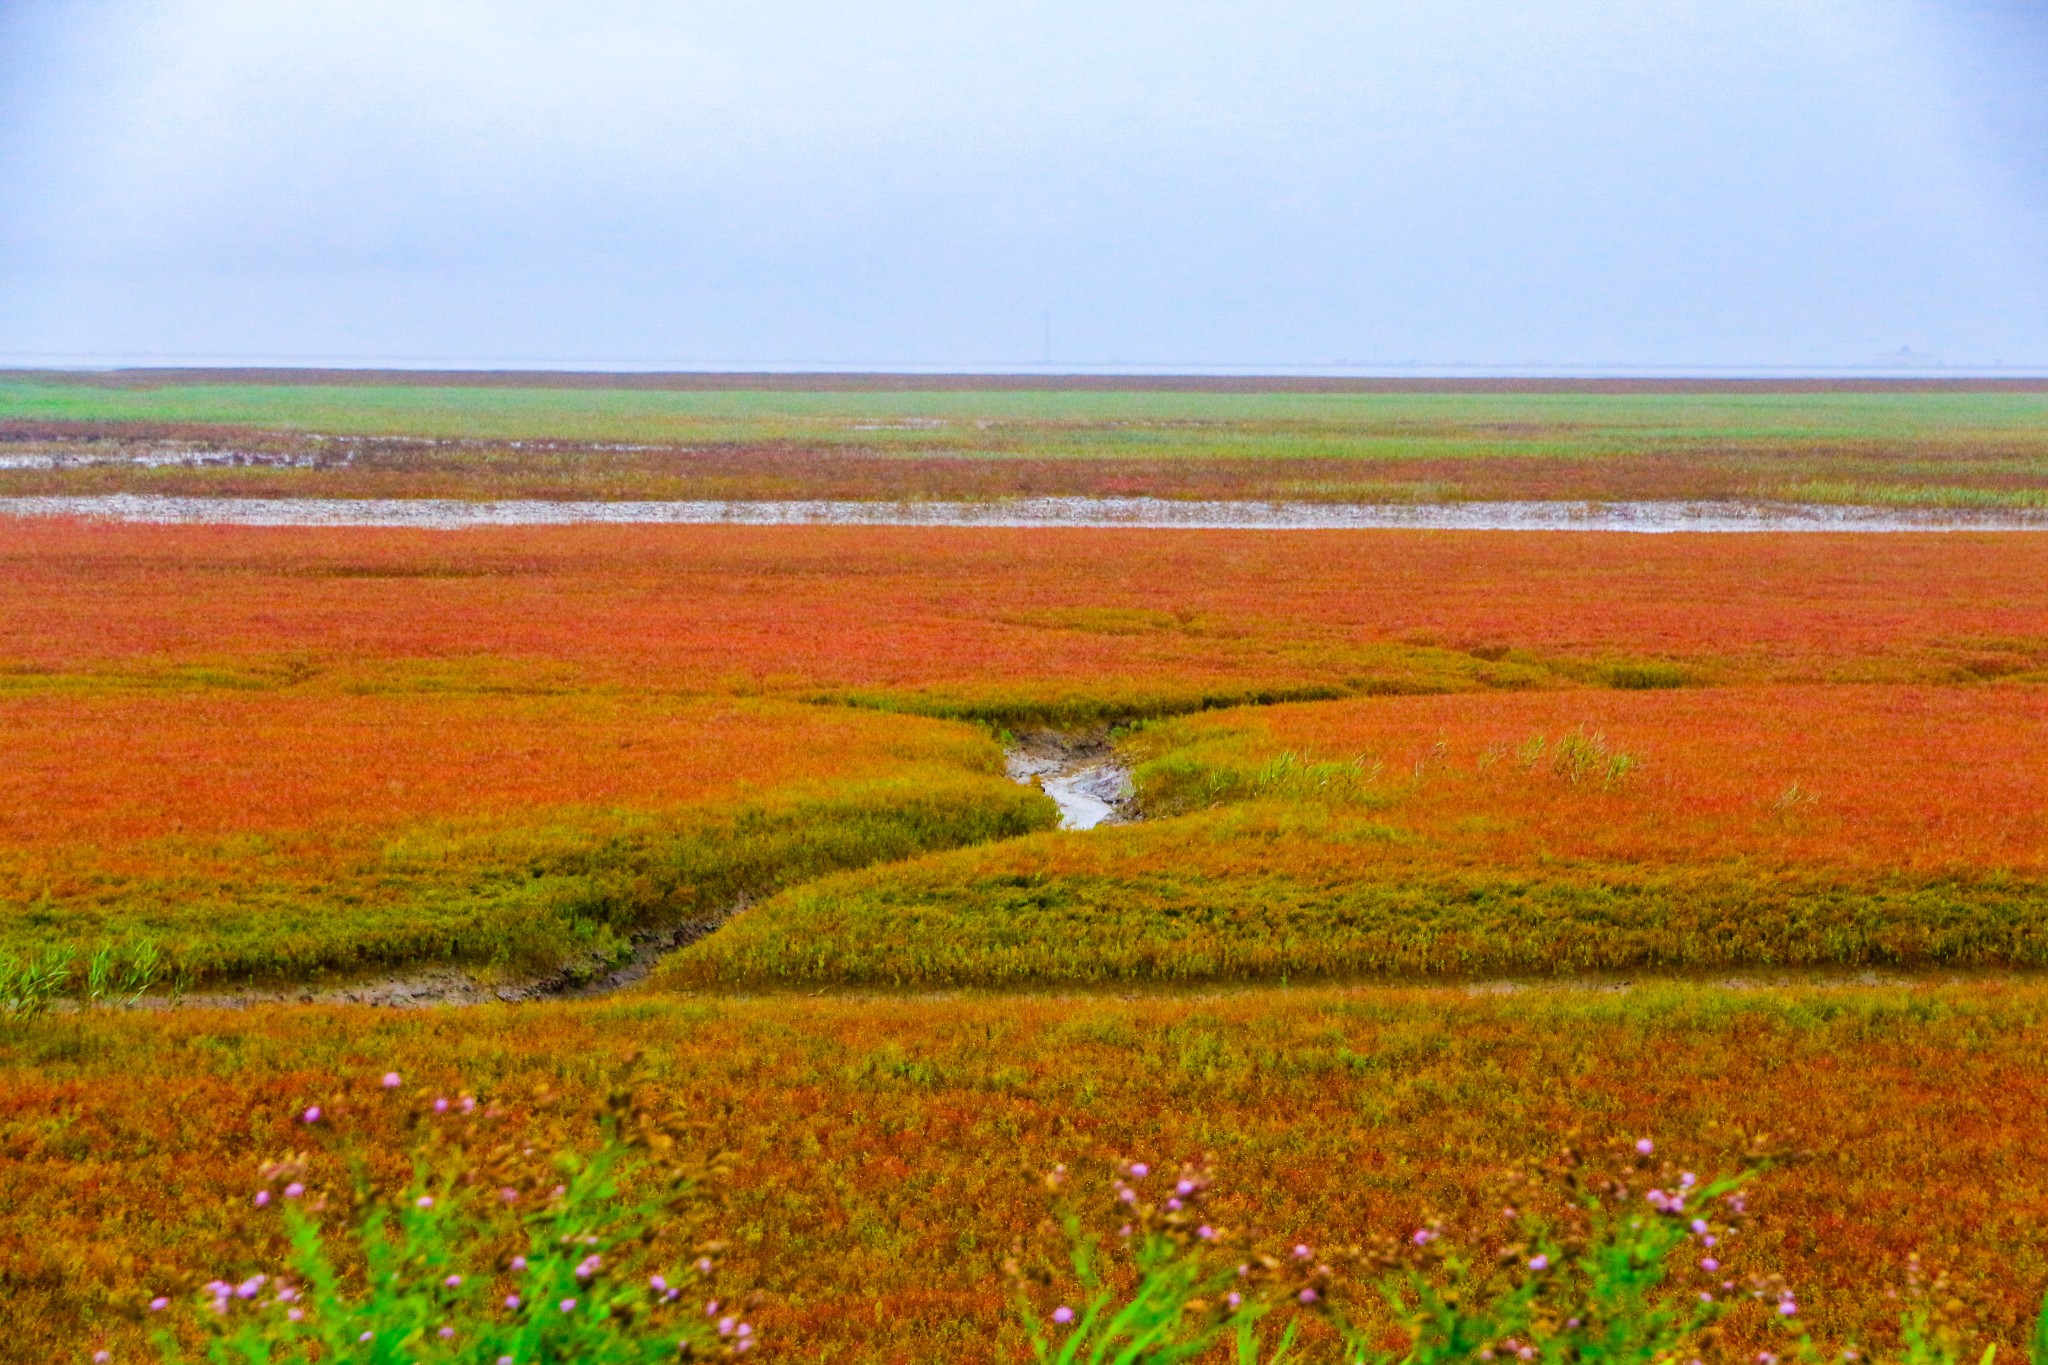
1579	756
1584	756
29	987
110	980
1647	677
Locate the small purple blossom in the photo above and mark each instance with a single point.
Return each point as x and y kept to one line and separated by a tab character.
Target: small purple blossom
1644	1146
703	1265
262	1198
1308	1296
1787	1308
1708	1263
294	1190
1233	1298
512	1302
295	1314
453	1282
101	1357
366	1336
1063	1315
1186	1187
392	1080
1206	1233
1539	1262
159	1304
725	1326
1173	1205
425	1201
312	1114
1301	1251
441	1105
568	1305
249	1288
1423	1237
1139	1170
1699	1225
656	1283
1128	1195
519	1263
509	1195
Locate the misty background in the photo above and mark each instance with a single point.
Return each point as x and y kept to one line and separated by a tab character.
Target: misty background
1438	185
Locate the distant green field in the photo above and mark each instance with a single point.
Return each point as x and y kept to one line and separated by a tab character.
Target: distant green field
1061	420
1938	448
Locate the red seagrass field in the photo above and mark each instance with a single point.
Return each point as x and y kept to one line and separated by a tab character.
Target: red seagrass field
1436	851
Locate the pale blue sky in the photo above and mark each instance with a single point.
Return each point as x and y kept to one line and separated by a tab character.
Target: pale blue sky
1575	184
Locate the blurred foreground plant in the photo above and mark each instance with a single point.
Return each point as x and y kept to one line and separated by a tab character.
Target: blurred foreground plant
1613	1274
489	1256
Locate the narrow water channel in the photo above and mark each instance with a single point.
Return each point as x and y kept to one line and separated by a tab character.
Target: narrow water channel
1080	773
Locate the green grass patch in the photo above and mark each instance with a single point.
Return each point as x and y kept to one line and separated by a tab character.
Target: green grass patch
1015	917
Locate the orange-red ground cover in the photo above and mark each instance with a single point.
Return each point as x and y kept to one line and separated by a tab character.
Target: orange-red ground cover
888	1151
107	768
1904	779
1004	621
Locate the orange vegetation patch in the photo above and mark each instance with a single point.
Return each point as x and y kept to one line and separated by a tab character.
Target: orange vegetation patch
943	617
1901	779
887	1152
110	768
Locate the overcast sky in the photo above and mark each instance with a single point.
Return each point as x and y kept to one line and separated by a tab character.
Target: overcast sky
1348	184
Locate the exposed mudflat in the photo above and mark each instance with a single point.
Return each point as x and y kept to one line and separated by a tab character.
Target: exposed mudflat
1164	513
1080	773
